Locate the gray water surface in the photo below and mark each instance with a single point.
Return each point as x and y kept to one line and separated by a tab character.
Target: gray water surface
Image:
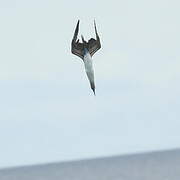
163	165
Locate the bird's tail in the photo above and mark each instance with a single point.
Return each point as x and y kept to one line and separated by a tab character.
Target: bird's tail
83	39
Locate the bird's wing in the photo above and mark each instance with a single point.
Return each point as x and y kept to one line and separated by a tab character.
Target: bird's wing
76	47
94	45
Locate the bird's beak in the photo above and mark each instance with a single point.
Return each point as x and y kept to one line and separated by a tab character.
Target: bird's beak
94	91
93	87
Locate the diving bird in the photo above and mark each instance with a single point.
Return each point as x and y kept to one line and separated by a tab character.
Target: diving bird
85	51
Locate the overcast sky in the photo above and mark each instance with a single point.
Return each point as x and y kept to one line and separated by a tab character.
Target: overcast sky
47	110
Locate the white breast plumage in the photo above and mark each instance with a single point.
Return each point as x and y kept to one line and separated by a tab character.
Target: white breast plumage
89	69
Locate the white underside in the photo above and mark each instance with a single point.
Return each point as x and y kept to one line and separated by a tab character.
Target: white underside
89	67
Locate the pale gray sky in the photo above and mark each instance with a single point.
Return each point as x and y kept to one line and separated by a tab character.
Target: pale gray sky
47	109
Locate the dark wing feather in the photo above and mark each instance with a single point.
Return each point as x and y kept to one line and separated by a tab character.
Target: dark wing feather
76	47
94	45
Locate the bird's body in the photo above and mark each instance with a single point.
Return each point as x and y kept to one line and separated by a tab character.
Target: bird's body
89	69
85	51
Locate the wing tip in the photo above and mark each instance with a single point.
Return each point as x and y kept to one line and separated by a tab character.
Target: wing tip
78	21
97	36
76	31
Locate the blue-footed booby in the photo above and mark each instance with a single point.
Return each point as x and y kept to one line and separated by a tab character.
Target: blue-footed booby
85	51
